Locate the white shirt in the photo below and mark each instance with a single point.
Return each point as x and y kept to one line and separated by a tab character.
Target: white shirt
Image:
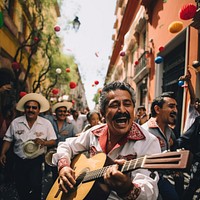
140	142
192	114
20	132
79	123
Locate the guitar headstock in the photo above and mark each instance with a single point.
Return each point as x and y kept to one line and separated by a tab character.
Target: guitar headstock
179	159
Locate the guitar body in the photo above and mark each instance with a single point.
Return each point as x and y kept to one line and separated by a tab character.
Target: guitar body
86	190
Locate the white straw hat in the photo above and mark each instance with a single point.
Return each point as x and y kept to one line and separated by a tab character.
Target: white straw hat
66	104
44	103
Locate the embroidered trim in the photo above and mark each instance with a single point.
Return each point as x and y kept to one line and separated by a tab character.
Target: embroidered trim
135	133
62	163
152	123
133	193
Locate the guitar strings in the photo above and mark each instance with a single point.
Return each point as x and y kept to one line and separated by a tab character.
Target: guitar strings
127	166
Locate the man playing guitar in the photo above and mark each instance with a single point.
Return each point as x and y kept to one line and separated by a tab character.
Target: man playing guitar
121	139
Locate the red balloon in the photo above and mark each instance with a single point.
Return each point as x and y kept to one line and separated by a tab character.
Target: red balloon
73	102
67	70
136	62
161	48
21	94
188	11
36	39
15	66
55	91
72	85
96	82
57	28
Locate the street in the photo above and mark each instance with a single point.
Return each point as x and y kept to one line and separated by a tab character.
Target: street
8	190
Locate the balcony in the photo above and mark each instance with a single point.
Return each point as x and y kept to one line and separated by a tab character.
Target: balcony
141	69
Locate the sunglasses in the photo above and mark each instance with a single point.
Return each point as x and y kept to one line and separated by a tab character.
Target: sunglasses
33	107
61	111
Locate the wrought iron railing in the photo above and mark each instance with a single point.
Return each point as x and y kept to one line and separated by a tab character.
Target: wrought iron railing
142	63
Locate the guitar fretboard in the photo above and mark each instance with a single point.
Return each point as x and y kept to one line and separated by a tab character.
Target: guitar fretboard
127	166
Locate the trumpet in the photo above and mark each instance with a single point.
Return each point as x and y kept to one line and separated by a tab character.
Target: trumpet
48	157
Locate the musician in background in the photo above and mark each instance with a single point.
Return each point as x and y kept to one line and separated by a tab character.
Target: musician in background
164	112
121	139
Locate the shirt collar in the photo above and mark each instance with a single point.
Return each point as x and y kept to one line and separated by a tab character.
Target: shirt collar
135	132
152	123
24	120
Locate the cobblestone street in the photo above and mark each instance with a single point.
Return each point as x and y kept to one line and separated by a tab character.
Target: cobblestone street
8	190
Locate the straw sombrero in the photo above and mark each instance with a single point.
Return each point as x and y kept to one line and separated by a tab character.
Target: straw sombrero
66	104
30	149
44	104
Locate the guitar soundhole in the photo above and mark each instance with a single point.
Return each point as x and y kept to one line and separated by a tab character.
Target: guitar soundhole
81	176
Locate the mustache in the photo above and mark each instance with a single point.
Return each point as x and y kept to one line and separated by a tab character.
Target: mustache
120	115
31	112
62	115
174	113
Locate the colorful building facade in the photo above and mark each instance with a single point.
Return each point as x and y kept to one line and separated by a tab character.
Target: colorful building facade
153	47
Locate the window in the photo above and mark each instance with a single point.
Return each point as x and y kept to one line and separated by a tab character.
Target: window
9	5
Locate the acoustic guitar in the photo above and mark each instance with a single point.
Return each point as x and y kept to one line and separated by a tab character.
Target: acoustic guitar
89	173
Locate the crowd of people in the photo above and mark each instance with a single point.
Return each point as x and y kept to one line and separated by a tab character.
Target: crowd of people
115	130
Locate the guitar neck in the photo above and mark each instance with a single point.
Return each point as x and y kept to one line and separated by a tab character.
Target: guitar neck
168	160
126	167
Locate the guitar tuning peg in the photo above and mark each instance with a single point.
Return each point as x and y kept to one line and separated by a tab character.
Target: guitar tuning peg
152	175
182	149
165	151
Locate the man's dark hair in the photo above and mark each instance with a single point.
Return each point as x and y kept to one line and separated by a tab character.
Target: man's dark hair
73	111
197	100
116	85
160	101
90	113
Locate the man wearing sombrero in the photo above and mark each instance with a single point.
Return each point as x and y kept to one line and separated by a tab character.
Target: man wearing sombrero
31	135
62	126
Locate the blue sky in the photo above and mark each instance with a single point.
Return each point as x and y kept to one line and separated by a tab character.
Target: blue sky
91	45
